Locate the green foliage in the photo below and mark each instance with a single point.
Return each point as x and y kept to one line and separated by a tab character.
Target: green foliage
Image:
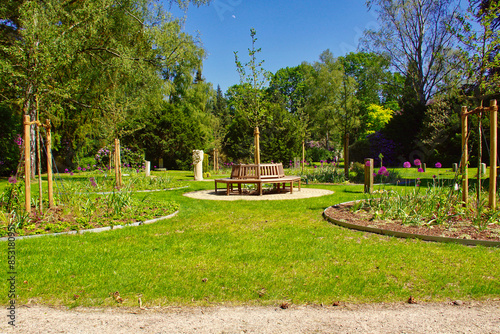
10	131
93	65
377	118
479	38
171	133
328	174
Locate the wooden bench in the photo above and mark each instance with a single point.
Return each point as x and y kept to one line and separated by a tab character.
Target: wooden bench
258	174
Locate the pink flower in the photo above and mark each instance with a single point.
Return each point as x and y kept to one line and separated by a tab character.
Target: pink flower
420	170
438	165
382	170
367	163
417	162
407	164
12	180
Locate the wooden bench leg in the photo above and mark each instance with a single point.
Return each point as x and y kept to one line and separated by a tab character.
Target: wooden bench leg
227	188
239	188
291	187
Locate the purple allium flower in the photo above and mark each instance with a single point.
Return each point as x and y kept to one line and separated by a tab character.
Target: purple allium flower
367	163
84	169
407	164
420	170
79	168
417	162
71	173
66	170
315	166
382	170
12	180
438	165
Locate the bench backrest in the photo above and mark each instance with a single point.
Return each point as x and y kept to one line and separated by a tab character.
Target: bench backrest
261	171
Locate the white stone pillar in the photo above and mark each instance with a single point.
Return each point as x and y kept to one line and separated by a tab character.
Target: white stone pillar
148	168
198	165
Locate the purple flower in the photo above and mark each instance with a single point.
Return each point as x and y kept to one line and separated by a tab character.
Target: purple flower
382	170
79	168
407	164
417	162
84	169
367	163
66	170
420	170
12	180
92	182
438	165
71	173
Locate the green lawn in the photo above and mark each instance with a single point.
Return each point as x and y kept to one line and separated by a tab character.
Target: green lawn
247	252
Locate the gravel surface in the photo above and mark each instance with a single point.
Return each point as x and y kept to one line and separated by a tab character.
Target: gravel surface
467	317
221	195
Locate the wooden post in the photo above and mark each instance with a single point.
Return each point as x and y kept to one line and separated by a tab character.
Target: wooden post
49	164
493	154
27	164
118	167
346	156
39	158
368	176
216	160
463	164
303	155
257	145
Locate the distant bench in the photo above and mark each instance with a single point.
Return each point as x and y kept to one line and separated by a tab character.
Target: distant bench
258	175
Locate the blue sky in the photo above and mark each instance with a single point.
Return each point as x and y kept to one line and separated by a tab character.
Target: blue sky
289	32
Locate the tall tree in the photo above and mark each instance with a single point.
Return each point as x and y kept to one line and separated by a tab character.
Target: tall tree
90	61
415	35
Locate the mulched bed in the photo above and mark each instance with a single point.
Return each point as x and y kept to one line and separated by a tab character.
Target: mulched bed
461	229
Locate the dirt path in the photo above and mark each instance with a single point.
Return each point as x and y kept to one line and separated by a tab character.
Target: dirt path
471	317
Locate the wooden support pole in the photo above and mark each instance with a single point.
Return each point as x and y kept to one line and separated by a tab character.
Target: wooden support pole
39	158
27	163
463	164
368	176
346	156
118	167
257	145
49	164
493	154
303	155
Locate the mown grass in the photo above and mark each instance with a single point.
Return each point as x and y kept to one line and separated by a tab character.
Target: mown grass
247	252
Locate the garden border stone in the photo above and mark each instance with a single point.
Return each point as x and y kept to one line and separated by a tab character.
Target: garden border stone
467	242
94	230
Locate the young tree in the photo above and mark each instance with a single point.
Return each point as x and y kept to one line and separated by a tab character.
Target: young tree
480	42
254	83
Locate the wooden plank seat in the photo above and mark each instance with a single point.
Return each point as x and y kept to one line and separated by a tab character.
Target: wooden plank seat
258	174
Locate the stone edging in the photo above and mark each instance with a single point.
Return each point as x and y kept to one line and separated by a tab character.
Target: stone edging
95	230
468	242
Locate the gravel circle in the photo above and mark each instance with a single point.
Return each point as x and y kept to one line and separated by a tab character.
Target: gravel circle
467	317
221	195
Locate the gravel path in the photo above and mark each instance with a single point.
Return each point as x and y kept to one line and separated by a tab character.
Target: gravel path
470	317
221	196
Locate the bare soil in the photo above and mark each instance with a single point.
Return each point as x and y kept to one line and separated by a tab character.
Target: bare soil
453	317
